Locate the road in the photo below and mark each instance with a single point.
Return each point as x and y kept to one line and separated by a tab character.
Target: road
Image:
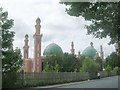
109	82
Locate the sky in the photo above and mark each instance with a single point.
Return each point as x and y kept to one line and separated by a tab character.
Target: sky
56	26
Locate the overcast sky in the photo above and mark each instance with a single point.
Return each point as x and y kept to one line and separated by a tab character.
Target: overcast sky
56	26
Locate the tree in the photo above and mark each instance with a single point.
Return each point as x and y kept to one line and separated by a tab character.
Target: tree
70	63
89	65
56	68
113	60
11	59
108	69
52	63
105	17
99	61
65	63
46	68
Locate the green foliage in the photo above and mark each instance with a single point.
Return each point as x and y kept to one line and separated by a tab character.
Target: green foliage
70	63
113	60
56	67
46	68
65	63
7	36
105	17
51	63
86	64
116	69
99	61
89	65
108	68
12	59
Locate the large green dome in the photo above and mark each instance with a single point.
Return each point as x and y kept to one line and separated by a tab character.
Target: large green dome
89	52
52	49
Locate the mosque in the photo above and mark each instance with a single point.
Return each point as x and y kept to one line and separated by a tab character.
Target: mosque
35	64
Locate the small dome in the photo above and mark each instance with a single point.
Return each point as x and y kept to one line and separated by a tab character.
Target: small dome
89	52
52	49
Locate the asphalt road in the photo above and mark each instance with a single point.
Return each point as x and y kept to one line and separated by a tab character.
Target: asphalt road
109	82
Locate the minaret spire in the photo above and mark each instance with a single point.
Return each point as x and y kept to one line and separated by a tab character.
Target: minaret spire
72	48
37	63
91	44
26	47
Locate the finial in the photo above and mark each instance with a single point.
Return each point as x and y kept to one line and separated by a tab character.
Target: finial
26	36
72	43
101	46
38	21
91	43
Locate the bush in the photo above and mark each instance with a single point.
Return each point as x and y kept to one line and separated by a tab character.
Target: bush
108	69
117	70
9	79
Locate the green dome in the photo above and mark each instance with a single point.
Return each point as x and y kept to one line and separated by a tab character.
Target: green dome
89	52
52	49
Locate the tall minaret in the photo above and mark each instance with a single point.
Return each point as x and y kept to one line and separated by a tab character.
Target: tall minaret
37	63
101	52
72	48
26	48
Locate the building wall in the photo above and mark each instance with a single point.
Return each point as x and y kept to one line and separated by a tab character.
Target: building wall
28	65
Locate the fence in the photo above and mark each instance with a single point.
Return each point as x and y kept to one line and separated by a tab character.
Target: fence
45	78
48	78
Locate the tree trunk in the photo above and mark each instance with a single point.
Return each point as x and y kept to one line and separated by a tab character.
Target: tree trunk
119	48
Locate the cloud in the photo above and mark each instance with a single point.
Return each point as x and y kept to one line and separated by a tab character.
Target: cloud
56	25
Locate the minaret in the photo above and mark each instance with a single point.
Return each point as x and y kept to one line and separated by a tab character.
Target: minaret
101	52
37	63
72	48
26	47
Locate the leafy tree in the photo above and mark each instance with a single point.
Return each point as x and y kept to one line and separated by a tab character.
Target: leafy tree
70	63
117	70
53	62
89	65
56	67
65	63
46	68
100	62
105	17
113	60
11	59
108	69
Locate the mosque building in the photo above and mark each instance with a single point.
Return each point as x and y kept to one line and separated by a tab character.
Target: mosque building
35	64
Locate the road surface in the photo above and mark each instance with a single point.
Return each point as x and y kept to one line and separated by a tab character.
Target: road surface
109	82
